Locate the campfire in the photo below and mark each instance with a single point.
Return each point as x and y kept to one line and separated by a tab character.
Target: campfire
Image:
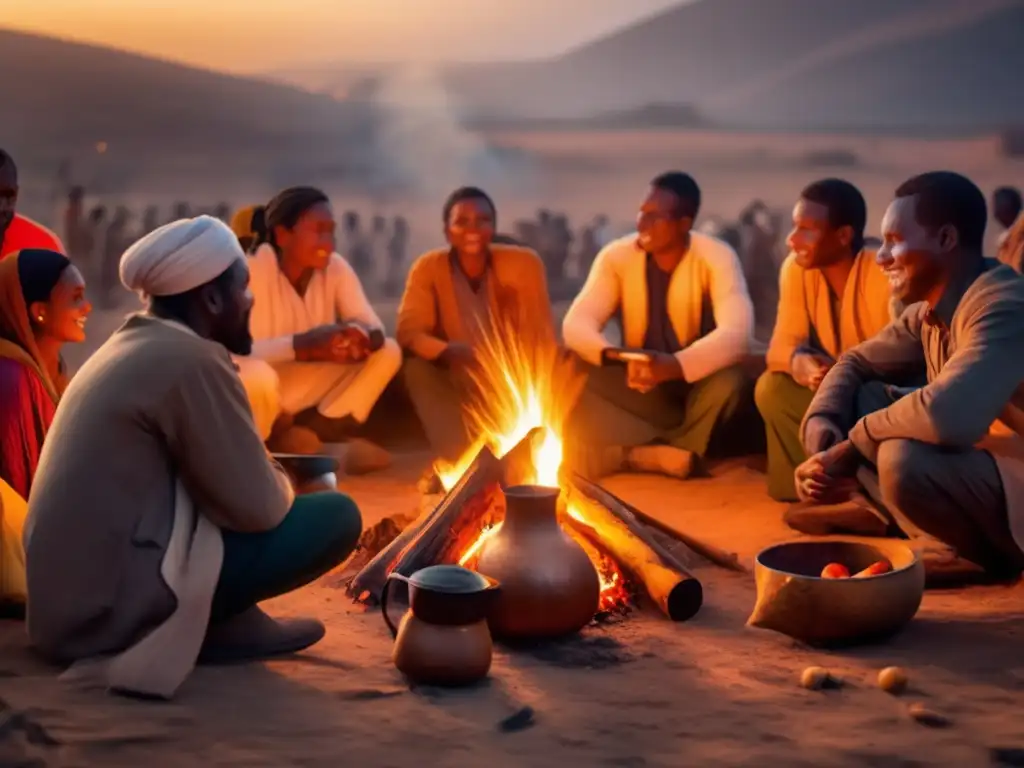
525	391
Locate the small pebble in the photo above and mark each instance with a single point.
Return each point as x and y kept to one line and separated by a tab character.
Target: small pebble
1012	756
816	678
519	721
929	717
892	680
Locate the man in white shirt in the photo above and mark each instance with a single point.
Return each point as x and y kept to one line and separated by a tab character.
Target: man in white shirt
687	322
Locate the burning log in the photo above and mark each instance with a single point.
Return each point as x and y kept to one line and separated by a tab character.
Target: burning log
423	542
712	554
612	527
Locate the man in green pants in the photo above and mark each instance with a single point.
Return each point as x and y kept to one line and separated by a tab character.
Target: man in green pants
157	520
687	323
832	296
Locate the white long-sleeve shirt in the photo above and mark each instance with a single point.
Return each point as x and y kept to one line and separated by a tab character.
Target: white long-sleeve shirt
334	294
710	271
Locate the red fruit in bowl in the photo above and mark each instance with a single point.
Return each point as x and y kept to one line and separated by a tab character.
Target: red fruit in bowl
835	571
875	569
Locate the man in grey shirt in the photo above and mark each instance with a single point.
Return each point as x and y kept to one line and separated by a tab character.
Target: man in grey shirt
945	461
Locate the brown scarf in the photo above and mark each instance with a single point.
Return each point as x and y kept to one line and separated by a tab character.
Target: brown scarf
17	342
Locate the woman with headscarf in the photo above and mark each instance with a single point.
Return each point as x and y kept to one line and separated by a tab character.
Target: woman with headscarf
242	225
320	353
42	307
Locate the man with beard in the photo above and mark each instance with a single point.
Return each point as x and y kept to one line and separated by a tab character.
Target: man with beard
832	296
17	232
946	460
157	520
687	322
454	297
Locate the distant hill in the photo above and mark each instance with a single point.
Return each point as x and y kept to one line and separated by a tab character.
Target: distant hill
58	96
943	64
790	63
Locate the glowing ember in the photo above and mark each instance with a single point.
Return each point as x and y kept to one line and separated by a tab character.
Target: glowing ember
524	384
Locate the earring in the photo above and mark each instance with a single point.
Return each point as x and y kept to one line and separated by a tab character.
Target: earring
40	318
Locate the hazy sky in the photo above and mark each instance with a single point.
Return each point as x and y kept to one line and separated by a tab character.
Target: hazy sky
257	35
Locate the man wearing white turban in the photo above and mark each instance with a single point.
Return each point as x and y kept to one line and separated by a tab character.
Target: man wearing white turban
157	520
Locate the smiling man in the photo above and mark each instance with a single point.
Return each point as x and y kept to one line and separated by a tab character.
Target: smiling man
946	461
832	296
686	318
453	297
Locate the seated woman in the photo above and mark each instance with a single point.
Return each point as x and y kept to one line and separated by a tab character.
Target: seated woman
42	306
320	352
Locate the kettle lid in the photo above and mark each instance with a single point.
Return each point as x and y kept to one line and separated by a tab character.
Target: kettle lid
453	579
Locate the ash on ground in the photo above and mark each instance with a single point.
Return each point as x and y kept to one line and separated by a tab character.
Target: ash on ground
583	651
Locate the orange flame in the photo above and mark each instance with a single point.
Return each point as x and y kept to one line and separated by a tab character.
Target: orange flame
523	385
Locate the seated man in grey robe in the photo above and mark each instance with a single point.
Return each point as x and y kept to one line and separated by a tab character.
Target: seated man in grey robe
946	461
157	520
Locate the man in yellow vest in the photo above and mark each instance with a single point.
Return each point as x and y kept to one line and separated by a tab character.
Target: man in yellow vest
832	296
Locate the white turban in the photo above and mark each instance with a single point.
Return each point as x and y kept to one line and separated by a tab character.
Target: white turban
180	256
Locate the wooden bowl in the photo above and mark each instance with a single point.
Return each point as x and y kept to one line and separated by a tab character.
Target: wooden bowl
793	599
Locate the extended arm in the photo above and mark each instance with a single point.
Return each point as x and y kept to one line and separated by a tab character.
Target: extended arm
583	326
792	330
734	320
895	356
417	313
958	407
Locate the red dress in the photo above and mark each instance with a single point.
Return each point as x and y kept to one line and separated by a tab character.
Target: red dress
26	412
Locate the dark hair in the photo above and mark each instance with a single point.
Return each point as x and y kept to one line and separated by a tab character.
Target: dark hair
461	195
284	210
38	272
845	205
1011	195
683	186
947	198
177	305
6	161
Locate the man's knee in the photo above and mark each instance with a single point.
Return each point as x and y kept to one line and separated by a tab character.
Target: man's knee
728	386
341	521
419	373
388	357
902	466
770	392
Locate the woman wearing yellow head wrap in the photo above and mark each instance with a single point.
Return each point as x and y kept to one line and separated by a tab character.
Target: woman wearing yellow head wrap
242	225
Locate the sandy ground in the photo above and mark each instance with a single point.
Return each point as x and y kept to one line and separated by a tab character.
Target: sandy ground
639	692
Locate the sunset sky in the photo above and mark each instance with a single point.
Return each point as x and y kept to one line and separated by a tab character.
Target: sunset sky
260	35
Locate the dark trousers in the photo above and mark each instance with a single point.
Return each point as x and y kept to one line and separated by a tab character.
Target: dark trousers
319	532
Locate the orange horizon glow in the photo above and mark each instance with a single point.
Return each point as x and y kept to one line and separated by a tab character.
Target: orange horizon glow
247	37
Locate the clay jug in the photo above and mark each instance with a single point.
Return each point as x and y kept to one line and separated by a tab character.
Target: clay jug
549	587
443	638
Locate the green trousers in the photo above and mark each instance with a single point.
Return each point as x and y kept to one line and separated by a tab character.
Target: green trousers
319	532
782	403
438	402
690	416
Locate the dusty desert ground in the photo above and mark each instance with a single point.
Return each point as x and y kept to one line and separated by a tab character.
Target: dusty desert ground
638	692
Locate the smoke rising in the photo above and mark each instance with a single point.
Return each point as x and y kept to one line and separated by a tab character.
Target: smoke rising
423	149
